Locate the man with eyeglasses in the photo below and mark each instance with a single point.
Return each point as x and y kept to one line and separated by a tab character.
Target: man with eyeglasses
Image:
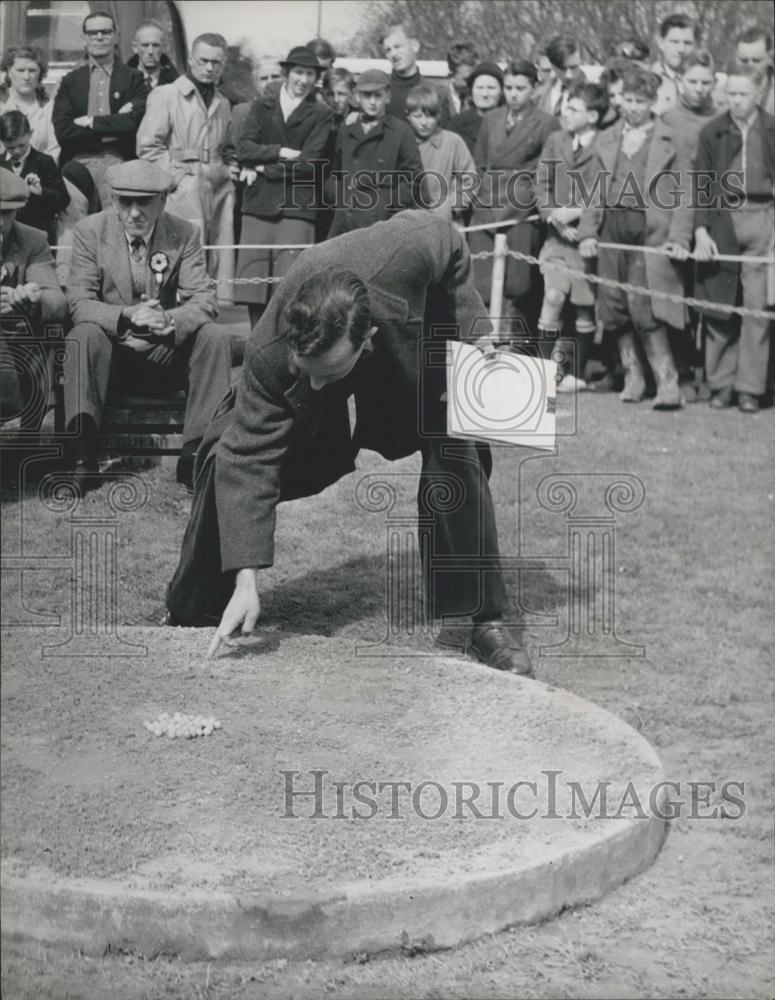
185	132
99	106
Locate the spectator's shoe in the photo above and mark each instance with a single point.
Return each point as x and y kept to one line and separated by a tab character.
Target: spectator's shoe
721	399
747	403
660	357
185	468
493	644
689	392
634	382
571	383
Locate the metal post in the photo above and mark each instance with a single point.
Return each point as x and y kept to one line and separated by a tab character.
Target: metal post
498	279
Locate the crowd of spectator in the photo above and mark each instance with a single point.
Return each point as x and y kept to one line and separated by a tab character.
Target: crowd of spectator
320	152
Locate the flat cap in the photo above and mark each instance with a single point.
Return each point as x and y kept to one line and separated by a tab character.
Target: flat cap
13	190
372	79
302	56
138	177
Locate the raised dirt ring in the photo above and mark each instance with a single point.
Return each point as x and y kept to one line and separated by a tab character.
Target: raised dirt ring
114	837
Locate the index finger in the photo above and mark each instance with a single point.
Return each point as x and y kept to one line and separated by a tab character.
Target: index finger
214	645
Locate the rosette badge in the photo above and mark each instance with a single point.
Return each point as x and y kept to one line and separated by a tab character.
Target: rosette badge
160	263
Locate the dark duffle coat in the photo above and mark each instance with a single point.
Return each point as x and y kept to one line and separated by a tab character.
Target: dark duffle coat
376	174
667	182
283	440
284	189
719	144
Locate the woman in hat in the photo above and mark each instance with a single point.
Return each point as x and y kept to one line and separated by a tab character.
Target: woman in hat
284	134
485	85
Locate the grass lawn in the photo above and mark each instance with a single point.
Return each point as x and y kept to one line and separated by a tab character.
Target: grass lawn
693	586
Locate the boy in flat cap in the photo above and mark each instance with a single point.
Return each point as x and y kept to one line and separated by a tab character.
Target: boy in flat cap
32	305
142	308
377	162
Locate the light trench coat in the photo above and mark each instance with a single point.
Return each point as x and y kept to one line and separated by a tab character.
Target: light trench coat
188	140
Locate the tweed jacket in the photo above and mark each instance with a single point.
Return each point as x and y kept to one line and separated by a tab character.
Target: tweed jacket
376	173
127	86
718	145
417	270
27	257
100	284
284	188
507	162
668	216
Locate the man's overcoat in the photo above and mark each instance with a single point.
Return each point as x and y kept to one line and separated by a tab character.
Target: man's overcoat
283	439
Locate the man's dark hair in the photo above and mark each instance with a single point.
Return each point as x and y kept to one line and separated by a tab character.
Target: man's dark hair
632	48
677	21
700	57
322	49
328	306
99	13
559	48
521	67
751	35
593	95
613	69
638	80
461	54
13	125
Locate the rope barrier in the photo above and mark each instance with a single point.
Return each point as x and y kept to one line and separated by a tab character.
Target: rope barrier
595	279
730	257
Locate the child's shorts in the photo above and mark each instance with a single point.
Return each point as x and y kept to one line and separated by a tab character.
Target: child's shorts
554	249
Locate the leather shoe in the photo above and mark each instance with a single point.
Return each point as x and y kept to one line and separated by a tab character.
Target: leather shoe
721	399
494	645
747	403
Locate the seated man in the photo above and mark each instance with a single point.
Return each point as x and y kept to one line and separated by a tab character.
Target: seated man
32	306
141	304
355	316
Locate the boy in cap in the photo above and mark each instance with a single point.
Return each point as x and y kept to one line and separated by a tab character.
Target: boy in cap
30	300
142	308
377	163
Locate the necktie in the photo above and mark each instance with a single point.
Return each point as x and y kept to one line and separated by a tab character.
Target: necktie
137	265
149	81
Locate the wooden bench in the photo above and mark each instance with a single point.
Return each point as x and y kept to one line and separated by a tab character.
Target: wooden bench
143	426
